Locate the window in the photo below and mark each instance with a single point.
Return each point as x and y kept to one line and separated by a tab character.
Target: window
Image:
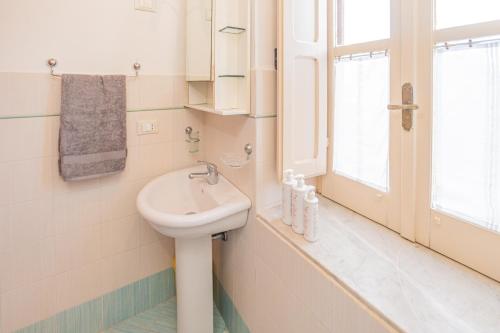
437	181
465	155
361	126
466	145
361	92
453	13
361	21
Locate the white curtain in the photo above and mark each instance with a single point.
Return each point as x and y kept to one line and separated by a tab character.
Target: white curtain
466	133
361	120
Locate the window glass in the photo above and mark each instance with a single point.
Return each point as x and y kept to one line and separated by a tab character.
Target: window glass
361	120
453	13
361	21
466	133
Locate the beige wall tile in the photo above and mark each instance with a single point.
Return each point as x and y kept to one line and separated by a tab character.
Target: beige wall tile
22	266
32	179
48	95
268	186
132	137
156	92
48	306
5	233
87	245
48	257
21	307
29	221
79	285
182	158
120	269
155	159
19	93
156	256
5	183
4	91
74	210
147	234
133	93
28	138
266	140
120	235
264	90
63	253
4	273
180	91
118	198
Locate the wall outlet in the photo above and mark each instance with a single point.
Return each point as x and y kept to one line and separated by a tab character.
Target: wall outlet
146	5
147	127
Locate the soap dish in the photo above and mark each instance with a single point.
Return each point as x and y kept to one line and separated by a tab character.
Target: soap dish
237	160
234	160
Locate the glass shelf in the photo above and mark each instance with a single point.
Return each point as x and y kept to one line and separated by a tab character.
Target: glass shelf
232	30
228	75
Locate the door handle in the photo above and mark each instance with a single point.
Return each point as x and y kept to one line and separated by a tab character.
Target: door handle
403	107
407	107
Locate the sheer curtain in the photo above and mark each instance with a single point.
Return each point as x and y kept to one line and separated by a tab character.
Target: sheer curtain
466	137
361	120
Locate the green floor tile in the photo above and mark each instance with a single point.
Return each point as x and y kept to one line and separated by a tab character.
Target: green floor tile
160	319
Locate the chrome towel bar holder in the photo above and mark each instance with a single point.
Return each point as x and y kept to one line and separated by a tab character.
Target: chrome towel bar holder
52	63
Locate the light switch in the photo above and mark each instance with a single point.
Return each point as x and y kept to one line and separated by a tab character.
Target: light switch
147	127
145	5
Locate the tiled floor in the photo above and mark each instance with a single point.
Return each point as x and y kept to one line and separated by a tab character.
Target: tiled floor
160	319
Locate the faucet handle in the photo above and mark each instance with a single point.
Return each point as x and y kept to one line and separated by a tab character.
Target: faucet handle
208	164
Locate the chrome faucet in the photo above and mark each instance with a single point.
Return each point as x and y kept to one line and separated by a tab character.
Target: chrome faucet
212	174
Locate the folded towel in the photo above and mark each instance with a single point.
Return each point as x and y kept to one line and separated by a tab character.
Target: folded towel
93	135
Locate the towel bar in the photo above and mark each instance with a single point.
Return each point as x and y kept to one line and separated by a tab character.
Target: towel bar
52	62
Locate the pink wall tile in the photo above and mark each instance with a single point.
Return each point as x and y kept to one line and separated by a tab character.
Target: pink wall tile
28	138
156	256
120	235
32	179
5	233
119	270
29	221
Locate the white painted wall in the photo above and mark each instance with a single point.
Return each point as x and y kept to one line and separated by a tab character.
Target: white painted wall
92	36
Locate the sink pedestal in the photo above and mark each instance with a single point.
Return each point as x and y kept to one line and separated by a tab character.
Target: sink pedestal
193	276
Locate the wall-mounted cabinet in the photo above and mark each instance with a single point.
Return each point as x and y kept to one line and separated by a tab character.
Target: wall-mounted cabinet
218	56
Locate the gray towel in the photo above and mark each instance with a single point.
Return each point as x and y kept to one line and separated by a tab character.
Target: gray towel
93	134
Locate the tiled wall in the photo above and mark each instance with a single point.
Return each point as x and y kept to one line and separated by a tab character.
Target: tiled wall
272	285
62	244
105	311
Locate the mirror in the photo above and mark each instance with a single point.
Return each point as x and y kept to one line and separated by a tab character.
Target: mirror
199	40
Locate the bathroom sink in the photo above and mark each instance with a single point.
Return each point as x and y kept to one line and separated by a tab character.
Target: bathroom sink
179	207
191	211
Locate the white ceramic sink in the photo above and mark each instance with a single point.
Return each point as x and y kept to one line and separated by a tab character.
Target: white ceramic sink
191	211
180	207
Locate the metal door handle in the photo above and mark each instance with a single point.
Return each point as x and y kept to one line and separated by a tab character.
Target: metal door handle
407	107
402	107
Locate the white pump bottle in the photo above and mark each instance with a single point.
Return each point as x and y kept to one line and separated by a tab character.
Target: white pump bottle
288	183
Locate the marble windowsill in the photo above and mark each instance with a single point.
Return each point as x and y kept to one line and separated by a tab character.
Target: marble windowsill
415	288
